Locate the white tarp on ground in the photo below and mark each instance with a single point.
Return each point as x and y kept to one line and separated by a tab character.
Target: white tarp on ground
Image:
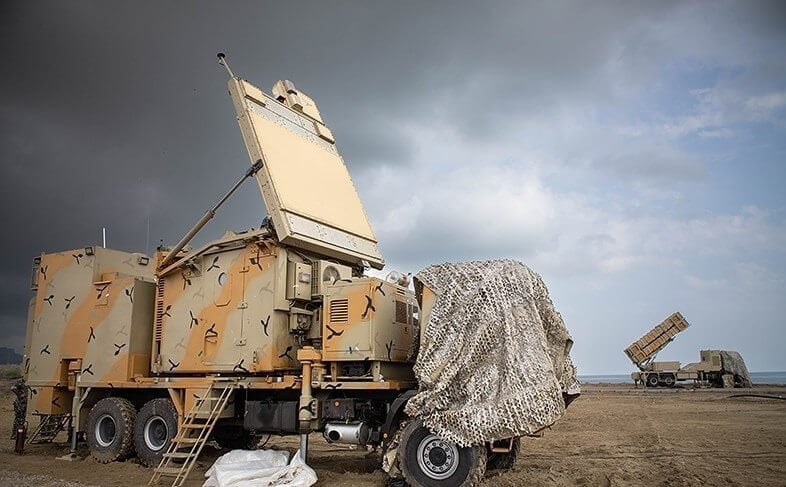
259	468
494	357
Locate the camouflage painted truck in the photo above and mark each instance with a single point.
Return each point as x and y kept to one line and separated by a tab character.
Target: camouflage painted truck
275	330
719	368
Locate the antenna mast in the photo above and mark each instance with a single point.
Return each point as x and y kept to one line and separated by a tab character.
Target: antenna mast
222	60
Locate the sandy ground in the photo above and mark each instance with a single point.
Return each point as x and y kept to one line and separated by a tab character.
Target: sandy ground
612	435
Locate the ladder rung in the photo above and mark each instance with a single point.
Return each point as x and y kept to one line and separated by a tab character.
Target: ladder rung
196	412
183	440
178	455
189	441
169	471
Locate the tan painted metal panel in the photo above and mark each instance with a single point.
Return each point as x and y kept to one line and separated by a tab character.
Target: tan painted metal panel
368	319
305	184
78	325
222	313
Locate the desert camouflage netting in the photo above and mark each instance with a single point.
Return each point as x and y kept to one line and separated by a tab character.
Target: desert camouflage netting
494	359
733	362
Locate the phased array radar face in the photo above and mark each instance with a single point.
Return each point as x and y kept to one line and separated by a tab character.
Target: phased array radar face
307	188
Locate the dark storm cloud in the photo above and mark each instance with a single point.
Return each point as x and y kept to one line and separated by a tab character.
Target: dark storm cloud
114	114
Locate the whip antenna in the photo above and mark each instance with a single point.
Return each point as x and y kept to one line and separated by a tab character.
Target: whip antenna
222	60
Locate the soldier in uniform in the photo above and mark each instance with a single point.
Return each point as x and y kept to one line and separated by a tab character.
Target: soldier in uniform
20	406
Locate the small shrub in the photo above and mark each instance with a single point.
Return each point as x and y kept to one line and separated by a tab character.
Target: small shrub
10	372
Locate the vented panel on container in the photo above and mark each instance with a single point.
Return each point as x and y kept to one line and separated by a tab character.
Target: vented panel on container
339	310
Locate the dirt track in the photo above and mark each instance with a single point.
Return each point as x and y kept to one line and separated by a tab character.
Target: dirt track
612	435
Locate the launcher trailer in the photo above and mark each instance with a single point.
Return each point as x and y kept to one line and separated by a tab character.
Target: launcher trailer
716	367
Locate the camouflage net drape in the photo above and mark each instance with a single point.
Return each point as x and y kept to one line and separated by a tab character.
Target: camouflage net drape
734	364
494	360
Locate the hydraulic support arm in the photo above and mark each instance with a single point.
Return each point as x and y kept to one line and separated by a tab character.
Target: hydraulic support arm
209	214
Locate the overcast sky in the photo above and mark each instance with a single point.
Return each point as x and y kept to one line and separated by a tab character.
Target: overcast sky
634	154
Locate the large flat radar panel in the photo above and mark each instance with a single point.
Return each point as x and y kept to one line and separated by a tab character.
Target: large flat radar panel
306	187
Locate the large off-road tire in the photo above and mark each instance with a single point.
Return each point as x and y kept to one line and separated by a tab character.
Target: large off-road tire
156	425
652	380
234	437
669	380
110	429
504	461
426	460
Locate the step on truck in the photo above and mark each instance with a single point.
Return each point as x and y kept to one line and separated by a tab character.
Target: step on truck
718	368
273	330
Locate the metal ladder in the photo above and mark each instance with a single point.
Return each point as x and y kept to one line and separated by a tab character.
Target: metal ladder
49	426
194	431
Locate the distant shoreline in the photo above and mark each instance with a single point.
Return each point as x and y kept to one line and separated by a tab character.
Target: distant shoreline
758	378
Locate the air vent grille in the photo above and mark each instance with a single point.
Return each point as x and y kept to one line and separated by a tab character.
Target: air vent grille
315	283
401	312
36	272
339	310
159	325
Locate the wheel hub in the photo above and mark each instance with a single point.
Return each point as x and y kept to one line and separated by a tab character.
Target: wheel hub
437	458
105	430
156	433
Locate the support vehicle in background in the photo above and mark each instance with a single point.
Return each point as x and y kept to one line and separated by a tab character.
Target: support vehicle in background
717	367
274	330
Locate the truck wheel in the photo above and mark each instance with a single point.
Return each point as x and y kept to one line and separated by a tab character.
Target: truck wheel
156	425
504	461
426	460
234	437
110	429
668	380
652	380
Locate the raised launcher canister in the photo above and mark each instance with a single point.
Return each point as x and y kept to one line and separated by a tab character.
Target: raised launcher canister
643	351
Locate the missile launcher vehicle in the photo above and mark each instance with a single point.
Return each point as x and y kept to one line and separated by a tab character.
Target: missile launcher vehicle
717	367
275	330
